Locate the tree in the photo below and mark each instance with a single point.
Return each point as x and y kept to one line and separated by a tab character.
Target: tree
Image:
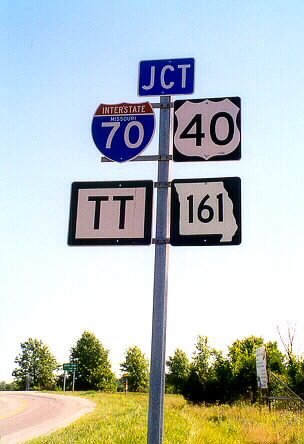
243	363
289	342
36	365
220	385
179	371
275	358
136	365
207	372
94	368
8	386
203	359
294	364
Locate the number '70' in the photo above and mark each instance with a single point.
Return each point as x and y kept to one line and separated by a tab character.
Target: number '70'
126	135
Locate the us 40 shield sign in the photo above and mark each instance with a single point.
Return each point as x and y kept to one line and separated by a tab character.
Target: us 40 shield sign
207	129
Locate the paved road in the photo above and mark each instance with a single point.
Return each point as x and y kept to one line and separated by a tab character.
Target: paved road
25	415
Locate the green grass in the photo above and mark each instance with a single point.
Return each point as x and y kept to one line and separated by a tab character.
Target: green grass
120	419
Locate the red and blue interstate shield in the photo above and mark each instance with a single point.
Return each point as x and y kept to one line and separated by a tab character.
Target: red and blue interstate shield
122	131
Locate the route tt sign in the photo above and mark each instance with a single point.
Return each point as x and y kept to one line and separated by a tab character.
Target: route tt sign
166	77
111	213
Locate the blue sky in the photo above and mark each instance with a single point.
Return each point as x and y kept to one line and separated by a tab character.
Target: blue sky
59	61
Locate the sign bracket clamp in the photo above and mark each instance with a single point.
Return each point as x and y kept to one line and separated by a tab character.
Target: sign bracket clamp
161	241
148	158
162	105
162	184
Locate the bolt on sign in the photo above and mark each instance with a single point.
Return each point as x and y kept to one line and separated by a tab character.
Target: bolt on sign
122	131
207	129
261	367
111	213
70	367
206	211
166	77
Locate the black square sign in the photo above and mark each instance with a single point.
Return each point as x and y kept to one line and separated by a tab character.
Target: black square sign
207	129
111	213
206	211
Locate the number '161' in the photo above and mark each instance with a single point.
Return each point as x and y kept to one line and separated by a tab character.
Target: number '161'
205	213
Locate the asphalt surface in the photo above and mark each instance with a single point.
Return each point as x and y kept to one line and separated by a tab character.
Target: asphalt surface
26	415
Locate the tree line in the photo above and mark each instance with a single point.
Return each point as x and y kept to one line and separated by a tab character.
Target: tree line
38	369
209	376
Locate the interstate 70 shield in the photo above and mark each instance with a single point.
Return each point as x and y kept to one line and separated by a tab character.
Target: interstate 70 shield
207	129
122	131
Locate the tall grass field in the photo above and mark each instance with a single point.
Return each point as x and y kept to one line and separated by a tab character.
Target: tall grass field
122	419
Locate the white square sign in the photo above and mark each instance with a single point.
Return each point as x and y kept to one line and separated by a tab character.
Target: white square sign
111	213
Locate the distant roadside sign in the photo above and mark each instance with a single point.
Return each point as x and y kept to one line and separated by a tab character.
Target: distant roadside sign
261	367
122	131
70	367
111	213
207	129
166	77
206	211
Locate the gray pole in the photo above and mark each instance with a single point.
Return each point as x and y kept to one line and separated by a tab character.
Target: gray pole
64	380
27	383
73	380
159	321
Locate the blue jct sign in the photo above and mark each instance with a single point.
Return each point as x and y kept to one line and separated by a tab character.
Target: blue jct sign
166	77
122	131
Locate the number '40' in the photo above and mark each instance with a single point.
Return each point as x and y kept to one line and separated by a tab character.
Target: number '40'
205	213
197	124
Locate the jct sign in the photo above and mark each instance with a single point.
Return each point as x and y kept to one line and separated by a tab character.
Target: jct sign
111	213
207	129
166	77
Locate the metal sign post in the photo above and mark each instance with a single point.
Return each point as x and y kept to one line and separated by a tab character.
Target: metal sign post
73	388
159	320
69	367
203	211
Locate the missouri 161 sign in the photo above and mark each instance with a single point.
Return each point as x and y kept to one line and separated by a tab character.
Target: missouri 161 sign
122	131
207	129
111	213
206	211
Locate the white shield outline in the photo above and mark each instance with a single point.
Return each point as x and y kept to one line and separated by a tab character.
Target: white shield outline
208	109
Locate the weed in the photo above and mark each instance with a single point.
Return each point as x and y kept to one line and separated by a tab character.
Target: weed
120	419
